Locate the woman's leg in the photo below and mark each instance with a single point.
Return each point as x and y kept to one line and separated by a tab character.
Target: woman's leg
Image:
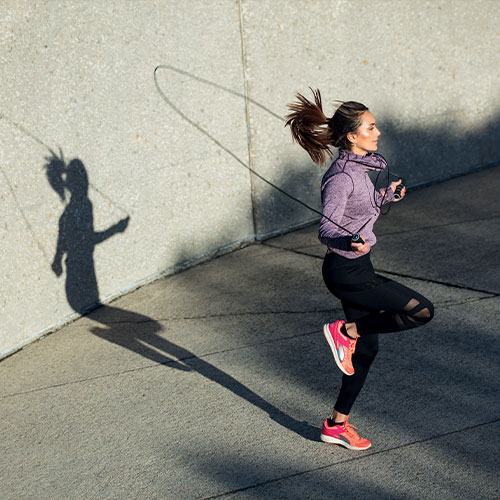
386	307
366	350
336	429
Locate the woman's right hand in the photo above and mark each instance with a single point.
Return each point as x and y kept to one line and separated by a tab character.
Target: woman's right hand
360	249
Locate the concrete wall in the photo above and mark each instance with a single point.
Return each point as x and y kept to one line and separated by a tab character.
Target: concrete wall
164	160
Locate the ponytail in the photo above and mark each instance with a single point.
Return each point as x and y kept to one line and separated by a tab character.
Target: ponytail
315	132
309	127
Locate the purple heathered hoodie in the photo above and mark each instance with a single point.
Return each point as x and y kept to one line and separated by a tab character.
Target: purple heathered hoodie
350	199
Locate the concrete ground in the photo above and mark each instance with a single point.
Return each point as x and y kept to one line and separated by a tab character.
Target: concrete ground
213	383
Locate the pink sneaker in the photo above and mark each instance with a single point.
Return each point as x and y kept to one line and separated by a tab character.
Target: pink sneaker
345	435
342	346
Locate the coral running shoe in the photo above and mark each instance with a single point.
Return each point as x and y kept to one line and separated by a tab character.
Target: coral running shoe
341	345
345	435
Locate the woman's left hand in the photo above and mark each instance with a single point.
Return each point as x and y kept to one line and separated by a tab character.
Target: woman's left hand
394	185
360	249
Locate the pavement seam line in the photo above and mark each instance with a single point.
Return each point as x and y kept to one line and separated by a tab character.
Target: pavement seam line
425	228
224	315
466	301
291	250
437	282
427	280
354	459
166	363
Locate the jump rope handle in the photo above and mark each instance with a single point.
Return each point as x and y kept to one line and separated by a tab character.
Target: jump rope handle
399	188
356	238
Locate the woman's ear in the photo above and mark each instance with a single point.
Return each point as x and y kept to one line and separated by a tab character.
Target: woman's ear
351	137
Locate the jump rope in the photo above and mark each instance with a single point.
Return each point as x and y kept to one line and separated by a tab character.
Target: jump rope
355	237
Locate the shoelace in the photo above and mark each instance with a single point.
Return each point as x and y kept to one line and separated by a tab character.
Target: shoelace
352	345
350	429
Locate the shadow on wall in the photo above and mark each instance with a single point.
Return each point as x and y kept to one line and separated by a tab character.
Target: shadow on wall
77	239
440	151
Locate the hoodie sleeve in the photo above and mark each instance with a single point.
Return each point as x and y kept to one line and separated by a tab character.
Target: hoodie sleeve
381	198
334	194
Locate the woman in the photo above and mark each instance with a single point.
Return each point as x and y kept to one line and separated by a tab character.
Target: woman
372	303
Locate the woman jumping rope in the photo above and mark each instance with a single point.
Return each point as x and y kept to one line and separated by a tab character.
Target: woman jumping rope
372	303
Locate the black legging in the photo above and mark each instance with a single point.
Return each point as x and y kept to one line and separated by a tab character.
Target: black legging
377	305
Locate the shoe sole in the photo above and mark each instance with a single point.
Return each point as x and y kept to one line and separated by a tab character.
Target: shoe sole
332	440
331	343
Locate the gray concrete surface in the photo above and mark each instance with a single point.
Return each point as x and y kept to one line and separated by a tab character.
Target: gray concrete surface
213	383
77	79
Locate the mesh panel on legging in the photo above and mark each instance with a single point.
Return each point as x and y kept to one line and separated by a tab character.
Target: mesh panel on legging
417	312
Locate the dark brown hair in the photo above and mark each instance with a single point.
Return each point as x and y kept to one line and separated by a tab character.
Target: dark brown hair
315	132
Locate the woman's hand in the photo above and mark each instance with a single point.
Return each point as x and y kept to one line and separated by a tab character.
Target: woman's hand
360	249
394	185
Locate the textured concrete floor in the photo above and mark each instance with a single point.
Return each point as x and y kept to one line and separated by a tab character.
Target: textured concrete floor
213	383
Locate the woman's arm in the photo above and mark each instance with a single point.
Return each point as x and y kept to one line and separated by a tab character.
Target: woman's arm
335	194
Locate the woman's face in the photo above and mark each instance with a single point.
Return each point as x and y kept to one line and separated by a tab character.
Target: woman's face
365	138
